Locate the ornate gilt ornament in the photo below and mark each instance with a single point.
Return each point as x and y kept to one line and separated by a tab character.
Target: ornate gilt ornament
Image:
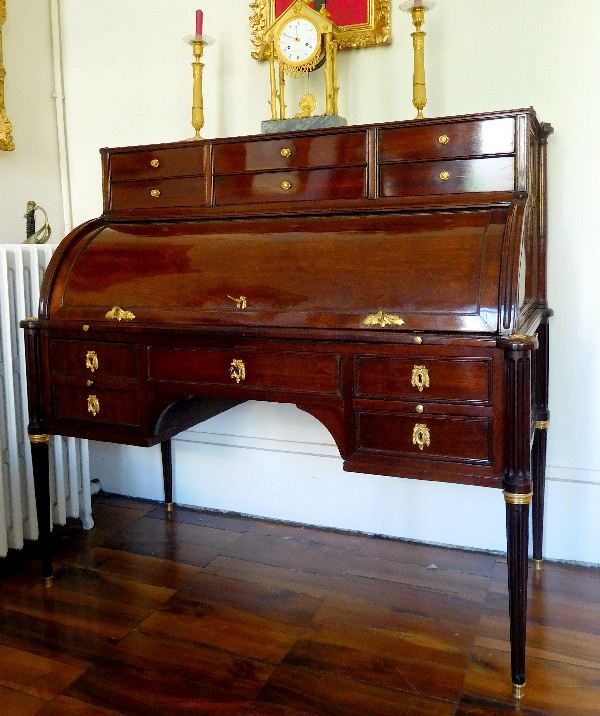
376	31
6	141
116	313
381	318
420	378
237	370
91	361
421	436
93	405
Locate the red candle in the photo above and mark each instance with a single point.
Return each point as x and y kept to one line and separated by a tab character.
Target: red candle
198	22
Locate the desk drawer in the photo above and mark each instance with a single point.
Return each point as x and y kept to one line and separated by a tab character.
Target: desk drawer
158	193
273	370
303	185
440	437
93	359
96	406
157	163
462	380
291	153
447	177
476	138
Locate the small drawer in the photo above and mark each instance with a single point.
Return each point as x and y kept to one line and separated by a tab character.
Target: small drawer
97	406
158	194
304	185
291	153
421	378
273	371
157	163
443	437
447	177
448	140
93	359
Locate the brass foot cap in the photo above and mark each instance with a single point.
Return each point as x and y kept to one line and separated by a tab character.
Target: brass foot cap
169	506
537	564
518	691
47	582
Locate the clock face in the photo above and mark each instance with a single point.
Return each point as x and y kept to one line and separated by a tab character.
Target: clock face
298	41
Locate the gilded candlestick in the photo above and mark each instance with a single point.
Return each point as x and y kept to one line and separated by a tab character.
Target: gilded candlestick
417	9
198	42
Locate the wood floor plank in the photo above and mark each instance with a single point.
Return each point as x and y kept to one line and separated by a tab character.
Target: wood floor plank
17	703
33	674
322	694
66	706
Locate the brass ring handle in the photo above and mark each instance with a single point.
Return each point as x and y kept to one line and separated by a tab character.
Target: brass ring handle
444	176
286	152
237	370
421	436
154	163
91	361
93	405
155	193
286	185
444	139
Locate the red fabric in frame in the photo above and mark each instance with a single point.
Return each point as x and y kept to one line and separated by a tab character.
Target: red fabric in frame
343	12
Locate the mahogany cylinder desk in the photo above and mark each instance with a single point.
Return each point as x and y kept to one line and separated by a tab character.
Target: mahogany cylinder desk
388	279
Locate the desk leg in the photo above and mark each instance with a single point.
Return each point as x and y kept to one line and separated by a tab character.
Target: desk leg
539	473
517	534
41	480
517	491
167	467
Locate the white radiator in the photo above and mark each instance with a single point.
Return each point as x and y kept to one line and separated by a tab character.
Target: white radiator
21	271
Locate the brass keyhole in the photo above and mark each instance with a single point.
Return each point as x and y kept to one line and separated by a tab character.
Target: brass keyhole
421	436
420	377
237	370
93	405
91	361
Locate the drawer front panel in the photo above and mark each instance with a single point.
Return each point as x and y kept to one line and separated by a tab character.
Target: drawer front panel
423	379
93	359
277	370
158	194
96	406
448	177
307	185
157	163
440	437
455	139
291	153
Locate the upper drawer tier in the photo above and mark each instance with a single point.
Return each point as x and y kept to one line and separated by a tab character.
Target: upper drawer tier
476	138
157	163
335	150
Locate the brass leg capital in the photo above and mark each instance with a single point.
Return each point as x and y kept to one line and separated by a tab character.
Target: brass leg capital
35	439
513	498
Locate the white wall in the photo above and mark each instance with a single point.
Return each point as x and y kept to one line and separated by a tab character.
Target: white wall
31	171
128	81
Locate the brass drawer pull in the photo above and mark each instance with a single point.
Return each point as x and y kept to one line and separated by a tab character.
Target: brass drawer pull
237	370
444	176
421	436
381	318
286	152
241	302
286	185
155	193
444	139
116	313
420	377
93	405
91	361
154	163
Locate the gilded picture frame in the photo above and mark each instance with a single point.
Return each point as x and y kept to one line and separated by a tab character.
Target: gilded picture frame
6	140
371	24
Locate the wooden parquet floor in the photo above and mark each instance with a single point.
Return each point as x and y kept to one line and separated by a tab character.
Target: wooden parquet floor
208	613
